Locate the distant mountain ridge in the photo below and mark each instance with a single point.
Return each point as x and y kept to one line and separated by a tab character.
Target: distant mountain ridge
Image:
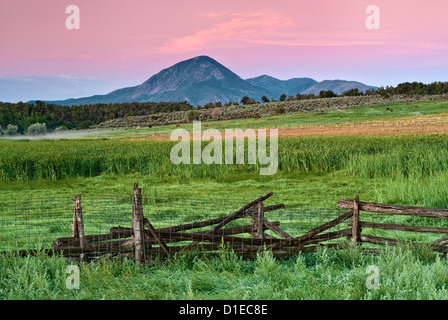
275	87
201	80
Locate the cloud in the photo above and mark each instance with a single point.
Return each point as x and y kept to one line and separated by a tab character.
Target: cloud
238	28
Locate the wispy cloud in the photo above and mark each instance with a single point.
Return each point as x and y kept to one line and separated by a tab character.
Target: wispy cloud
238	28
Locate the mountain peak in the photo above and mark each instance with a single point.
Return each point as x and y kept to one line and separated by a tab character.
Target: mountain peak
198	71
200	80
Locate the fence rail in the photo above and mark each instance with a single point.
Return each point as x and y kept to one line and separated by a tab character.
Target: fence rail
143	228
386	209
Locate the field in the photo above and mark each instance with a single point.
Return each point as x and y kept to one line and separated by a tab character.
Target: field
397	157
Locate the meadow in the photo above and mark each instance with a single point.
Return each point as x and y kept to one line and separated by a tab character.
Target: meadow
314	173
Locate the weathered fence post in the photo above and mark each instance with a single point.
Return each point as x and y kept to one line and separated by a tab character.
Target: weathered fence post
137	224
356	228
257	219
78	224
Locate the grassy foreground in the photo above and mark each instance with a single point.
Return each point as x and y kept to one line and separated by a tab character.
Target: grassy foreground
402	273
314	172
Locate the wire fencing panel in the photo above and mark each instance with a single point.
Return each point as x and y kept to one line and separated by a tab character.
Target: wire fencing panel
30	224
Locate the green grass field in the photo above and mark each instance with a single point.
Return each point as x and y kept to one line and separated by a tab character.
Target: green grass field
331	117
314	173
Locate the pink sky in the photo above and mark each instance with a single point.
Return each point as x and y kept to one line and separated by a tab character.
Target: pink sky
134	39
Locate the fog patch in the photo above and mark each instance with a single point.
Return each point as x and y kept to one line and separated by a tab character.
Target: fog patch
68	134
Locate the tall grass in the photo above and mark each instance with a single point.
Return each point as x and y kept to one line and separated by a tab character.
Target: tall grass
364	157
367	157
404	273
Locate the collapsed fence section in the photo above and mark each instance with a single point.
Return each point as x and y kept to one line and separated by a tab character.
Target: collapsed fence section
246	231
143	228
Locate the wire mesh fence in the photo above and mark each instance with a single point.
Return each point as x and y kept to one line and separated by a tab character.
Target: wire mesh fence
46	224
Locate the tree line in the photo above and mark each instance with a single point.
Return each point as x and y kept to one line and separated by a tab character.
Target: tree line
18	117
23	115
408	88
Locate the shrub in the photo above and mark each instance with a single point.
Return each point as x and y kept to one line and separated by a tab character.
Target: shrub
11	130
205	115
279	109
216	113
85	125
193	115
37	129
61	128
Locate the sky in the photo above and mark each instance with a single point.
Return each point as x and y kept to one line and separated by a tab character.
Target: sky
123	43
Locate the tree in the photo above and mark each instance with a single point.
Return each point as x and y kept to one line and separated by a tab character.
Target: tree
265	99
327	94
11	130
209	105
246	100
193	115
37	129
370	92
85	125
352	93
283	97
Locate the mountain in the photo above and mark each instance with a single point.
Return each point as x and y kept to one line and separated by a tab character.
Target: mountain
275	87
337	86
201	80
198	81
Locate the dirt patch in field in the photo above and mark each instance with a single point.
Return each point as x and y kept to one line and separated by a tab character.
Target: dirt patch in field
415	125
421	125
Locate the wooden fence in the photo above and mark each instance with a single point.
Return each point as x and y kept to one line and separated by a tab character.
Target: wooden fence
377	208
141	241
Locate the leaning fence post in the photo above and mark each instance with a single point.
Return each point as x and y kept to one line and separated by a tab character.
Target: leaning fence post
137	224
356	230
257	218
78	224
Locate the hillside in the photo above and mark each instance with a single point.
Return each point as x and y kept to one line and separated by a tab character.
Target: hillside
201	80
256	111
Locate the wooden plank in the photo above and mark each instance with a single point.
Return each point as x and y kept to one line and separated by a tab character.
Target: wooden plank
275	228
116	233
97	247
218	238
137	224
154	234
324	227
381	240
242	210
329	236
399	227
206	223
395	209
441	242
394	242
356	229
123	232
